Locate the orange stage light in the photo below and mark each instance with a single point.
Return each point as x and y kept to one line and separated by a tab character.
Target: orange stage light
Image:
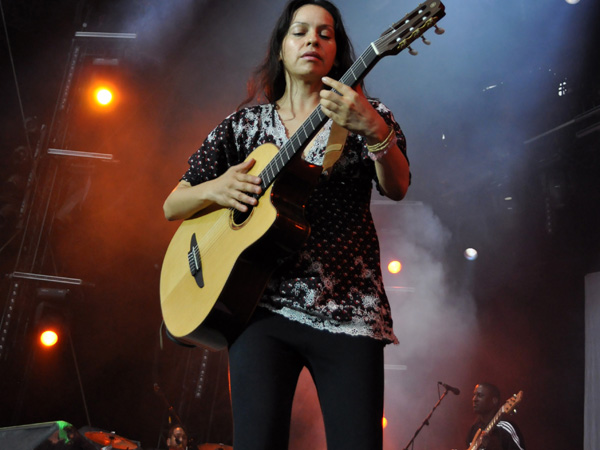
48	338
394	266
384	422
103	95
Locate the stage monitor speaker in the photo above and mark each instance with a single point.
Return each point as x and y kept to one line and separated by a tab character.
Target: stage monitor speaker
27	437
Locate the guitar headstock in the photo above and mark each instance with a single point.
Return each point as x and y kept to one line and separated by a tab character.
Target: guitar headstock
512	403
402	33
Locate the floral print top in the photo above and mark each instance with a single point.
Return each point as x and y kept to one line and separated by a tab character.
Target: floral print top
334	282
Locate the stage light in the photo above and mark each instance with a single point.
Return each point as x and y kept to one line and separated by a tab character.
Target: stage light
103	95
50	330
394	266
572	2
50	319
471	254
384	422
103	92
48	338
562	89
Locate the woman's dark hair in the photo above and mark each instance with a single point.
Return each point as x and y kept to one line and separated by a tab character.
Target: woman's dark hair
268	81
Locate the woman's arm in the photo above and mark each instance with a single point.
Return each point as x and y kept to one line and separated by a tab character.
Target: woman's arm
353	111
229	190
393	172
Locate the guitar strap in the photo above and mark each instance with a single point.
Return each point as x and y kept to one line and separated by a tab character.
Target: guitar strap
334	148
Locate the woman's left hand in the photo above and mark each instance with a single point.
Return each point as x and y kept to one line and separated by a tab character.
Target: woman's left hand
352	111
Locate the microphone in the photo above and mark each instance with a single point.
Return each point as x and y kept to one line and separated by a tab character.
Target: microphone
452	389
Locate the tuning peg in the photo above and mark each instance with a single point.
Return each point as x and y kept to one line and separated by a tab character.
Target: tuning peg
412	52
425	41
439	30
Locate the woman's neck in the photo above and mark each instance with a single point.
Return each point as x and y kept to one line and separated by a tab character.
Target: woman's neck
299	100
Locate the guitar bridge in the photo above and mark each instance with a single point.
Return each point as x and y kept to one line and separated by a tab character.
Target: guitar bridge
195	262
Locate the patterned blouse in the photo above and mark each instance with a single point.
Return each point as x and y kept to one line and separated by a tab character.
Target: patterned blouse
334	282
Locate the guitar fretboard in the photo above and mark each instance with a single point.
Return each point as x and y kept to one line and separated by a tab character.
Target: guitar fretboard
315	120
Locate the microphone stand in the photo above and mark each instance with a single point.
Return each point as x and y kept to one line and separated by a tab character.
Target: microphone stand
170	409
167	404
426	421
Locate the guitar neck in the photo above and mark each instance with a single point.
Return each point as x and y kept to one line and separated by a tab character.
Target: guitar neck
395	39
506	408
316	120
494	420
481	433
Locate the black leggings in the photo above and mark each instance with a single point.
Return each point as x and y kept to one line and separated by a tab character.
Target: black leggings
265	363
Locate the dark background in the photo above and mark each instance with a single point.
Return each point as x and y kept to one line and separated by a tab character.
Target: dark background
470	104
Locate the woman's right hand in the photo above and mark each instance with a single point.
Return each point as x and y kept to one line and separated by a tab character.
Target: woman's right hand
230	190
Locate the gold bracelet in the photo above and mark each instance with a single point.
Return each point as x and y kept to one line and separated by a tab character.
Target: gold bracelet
376	156
383	145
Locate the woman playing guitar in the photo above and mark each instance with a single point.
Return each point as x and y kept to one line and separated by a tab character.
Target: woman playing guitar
324	307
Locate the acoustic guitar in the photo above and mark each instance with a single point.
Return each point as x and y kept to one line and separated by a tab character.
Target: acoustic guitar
219	261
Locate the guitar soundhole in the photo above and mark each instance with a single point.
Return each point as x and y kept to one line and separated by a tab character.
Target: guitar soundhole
238	218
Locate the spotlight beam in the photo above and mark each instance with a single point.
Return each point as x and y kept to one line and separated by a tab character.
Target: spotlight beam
580	117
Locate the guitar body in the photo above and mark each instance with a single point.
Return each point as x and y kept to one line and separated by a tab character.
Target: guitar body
236	259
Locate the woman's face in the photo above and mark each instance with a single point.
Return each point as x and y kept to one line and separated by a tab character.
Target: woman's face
308	49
